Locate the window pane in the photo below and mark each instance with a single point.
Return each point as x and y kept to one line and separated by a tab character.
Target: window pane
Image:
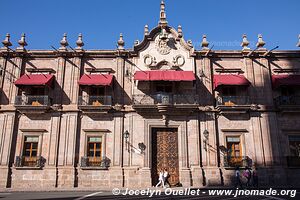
95	139
294	138
98	153
91	153
31	139
27	145
34	153
295	148
27	153
34	145
233	139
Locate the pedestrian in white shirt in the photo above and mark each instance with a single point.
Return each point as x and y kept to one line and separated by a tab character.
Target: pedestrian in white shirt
161	179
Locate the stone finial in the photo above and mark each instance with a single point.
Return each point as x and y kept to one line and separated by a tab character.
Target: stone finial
146	30
260	43
298	45
64	43
121	42
6	42
190	43
79	42
179	30
245	43
136	42
204	43
162	15
22	43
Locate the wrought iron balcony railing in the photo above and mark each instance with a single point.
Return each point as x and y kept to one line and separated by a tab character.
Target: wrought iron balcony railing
25	161
232	100
95	101
240	161
165	99
101	162
287	100
293	161
29	100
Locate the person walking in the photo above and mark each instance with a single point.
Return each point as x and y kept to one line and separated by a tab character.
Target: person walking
255	177
161	179
166	176
237	178
247	174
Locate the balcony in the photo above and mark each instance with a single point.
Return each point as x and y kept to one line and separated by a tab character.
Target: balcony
25	162
233	162
95	103
234	104
95	162
293	161
165	100
31	103
288	103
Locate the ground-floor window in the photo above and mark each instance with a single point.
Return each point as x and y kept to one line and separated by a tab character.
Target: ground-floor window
94	151
234	150
293	160
294	144
30	150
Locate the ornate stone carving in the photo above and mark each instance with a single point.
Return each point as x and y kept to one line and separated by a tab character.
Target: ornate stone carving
179	61
162	46
148	60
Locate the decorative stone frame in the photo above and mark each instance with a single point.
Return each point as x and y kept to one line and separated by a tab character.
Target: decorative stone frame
235	133
95	133
31	133
182	141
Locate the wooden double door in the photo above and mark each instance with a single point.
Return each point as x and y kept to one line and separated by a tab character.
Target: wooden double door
165	154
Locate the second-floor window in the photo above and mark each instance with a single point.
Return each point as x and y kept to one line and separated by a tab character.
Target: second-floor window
97	91
163	87
229	91
287	91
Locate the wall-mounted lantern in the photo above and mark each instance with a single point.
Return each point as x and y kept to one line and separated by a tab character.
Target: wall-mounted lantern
126	136
205	139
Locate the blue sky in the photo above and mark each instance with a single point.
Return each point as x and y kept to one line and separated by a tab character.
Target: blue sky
100	21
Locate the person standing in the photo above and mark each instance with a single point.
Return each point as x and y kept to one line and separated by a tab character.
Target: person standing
161	179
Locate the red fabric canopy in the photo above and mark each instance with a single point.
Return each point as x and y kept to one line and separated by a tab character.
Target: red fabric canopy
156	75
285	80
35	79
96	79
230	80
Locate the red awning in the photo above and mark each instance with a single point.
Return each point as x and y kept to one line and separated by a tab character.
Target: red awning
285	80
96	79
230	80
156	75
35	79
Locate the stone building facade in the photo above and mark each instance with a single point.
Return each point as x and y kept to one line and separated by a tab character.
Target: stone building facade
114	118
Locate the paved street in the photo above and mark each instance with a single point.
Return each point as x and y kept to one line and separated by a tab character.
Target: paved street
77	195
